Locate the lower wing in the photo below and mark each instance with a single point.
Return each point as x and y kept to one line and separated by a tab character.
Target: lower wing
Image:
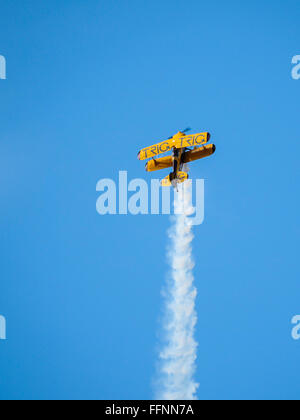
190	156
199	153
161	163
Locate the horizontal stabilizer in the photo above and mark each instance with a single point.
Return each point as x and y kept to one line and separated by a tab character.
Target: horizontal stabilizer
168	181
181	177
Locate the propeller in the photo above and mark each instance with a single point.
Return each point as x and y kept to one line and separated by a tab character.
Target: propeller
182	131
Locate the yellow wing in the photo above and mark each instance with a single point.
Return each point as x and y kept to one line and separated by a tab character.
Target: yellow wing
178	142
160	163
199	153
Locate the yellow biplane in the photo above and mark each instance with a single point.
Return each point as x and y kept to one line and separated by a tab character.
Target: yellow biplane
185	148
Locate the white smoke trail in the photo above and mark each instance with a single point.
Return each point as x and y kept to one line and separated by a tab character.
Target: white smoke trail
178	358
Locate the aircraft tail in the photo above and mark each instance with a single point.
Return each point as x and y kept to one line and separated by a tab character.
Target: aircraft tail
173	181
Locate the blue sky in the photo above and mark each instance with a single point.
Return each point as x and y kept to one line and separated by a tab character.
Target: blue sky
88	84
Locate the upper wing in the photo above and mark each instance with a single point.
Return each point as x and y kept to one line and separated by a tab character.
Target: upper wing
157	149
176	142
